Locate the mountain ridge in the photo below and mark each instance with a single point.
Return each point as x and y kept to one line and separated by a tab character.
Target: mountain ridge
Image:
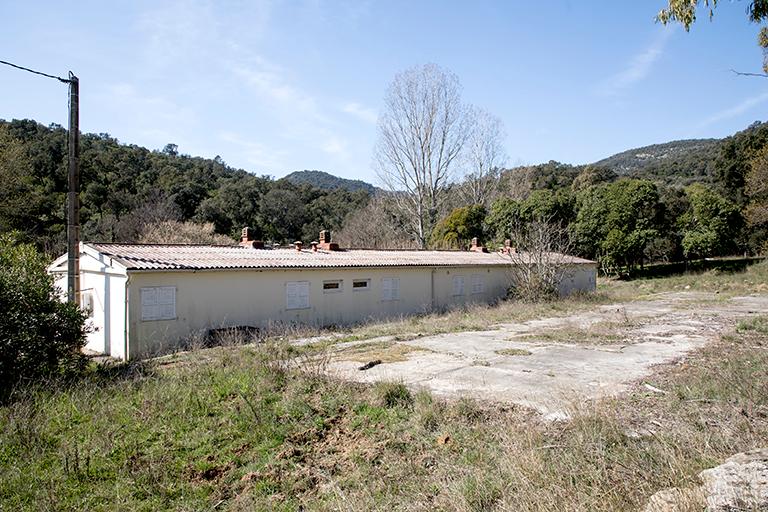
328	181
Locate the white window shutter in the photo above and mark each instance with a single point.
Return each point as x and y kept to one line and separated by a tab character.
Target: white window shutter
149	309
390	289
297	295
458	285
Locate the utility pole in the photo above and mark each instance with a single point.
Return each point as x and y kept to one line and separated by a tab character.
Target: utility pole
73	196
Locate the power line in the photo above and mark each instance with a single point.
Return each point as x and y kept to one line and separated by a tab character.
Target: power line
35	72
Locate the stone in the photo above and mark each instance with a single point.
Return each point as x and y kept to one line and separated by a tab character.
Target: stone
675	500
740	483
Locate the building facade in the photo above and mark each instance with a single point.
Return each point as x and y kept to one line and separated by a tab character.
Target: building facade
147	299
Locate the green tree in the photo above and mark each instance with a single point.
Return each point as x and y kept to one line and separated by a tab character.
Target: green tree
457	229
757	208
711	225
593	175
684	11
733	161
617	221
550	206
505	215
40	336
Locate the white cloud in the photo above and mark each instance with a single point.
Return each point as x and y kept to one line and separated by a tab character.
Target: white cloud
268	80
361	112
299	113
740	108
638	68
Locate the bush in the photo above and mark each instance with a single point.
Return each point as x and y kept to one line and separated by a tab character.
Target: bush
40	336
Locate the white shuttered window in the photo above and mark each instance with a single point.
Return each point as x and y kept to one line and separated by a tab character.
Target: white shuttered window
390	288
158	303
478	284
458	285
297	295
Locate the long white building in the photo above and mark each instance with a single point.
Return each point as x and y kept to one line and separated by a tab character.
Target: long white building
145	299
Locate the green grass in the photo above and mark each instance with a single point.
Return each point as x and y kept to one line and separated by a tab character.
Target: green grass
246	431
262	428
758	324
753	280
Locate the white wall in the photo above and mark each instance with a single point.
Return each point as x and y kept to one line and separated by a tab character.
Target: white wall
215	299
106	285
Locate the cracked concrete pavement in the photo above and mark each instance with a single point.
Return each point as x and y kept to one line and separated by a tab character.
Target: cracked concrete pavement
553	363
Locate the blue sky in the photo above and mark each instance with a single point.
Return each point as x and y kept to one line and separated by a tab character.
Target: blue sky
274	87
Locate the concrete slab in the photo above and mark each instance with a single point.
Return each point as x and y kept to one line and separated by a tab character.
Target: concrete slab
554	375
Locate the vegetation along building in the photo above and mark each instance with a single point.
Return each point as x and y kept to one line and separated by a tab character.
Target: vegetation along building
146	299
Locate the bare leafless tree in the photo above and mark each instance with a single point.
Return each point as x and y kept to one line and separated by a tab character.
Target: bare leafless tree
377	226
177	232
539	260
483	157
422	130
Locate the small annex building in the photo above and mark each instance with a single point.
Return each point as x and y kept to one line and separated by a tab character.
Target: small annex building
147	299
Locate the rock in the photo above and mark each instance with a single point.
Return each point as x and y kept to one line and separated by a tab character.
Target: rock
675	500
740	483
654	389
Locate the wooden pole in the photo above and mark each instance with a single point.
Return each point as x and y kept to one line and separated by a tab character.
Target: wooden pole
73	195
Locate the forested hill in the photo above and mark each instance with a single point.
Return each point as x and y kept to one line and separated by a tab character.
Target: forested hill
676	161
126	190
325	181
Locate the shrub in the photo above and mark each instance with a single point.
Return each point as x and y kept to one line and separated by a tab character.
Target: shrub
40	336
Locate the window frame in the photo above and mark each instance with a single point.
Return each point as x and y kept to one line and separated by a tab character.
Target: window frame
87	303
338	289
361	288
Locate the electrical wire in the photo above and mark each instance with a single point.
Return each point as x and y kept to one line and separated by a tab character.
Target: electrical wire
35	72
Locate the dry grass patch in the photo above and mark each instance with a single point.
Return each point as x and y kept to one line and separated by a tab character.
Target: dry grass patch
473	317
514	352
606	332
384	351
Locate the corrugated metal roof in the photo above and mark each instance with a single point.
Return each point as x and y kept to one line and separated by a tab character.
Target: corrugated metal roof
209	257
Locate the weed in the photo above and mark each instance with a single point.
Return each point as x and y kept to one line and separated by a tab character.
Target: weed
758	324
394	394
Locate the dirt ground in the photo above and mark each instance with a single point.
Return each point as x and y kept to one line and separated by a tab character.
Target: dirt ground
551	364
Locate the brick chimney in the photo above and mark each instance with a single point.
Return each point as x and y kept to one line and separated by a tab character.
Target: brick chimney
298	245
325	241
508	249
248	241
314	246
477	248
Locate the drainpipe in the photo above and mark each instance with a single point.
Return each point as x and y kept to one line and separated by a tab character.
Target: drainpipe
125	315
432	289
